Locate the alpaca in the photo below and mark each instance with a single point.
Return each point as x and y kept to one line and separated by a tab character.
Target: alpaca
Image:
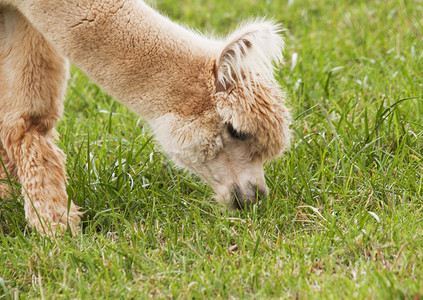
213	104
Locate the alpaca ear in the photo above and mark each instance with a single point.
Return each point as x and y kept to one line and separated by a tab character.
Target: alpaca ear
249	52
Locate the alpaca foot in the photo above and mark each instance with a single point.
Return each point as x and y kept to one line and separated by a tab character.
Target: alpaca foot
57	224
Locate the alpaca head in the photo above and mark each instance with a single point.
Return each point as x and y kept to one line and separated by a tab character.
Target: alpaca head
246	123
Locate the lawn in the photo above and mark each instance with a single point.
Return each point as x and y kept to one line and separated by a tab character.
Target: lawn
344	216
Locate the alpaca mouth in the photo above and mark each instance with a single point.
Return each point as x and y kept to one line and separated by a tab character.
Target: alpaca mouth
244	200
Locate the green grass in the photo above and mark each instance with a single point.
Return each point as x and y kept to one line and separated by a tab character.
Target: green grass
344	217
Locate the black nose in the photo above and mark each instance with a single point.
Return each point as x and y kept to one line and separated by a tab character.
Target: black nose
244	199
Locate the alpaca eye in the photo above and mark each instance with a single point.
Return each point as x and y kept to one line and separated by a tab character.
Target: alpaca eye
236	134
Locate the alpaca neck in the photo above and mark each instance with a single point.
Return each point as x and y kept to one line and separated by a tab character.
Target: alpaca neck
140	57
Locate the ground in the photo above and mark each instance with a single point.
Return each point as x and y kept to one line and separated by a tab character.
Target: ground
344	216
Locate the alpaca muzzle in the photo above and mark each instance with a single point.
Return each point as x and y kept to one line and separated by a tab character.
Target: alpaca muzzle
243	199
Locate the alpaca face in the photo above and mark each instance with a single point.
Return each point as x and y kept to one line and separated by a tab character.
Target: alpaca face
227	164
235	176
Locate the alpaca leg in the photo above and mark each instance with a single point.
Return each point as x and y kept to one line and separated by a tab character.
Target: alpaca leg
33	79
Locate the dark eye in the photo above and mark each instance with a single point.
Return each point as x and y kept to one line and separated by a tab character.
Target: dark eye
236	134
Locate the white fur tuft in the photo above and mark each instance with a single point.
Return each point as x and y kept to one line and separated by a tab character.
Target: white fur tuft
248	52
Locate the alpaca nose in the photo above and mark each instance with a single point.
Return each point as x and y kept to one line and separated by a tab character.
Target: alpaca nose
242	199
